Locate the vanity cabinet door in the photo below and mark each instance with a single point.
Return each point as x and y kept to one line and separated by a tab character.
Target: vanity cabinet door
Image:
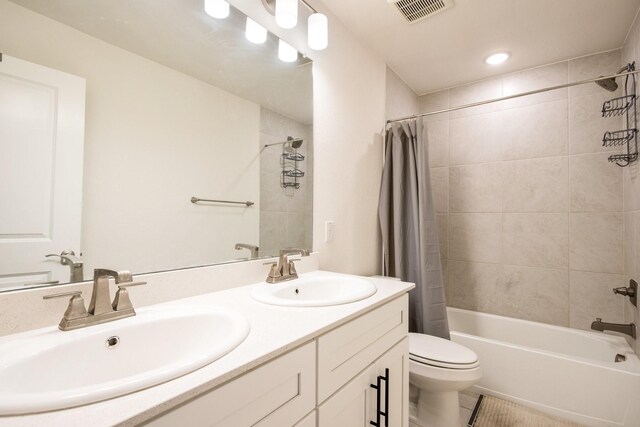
357	403
348	349
277	394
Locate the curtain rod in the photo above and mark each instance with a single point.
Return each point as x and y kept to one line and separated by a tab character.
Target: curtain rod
517	95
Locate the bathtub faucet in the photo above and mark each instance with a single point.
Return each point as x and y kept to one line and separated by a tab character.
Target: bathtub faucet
601	326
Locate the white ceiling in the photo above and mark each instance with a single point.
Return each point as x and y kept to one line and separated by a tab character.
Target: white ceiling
179	35
448	49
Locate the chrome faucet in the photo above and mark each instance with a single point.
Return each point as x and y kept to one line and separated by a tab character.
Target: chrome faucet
628	329
252	248
285	269
75	264
101	309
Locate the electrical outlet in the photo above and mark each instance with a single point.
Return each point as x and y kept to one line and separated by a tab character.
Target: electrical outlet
328	231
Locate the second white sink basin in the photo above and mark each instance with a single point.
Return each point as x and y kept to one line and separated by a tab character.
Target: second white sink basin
48	369
315	291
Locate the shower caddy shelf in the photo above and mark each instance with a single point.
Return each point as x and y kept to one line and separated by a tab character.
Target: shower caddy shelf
289	177
628	137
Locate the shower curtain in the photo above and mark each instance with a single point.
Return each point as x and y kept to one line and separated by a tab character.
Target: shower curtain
408	224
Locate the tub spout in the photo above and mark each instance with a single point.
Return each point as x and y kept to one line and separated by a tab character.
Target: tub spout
628	329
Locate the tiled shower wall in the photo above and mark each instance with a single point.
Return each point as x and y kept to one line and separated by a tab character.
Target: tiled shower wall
631	198
530	212
285	214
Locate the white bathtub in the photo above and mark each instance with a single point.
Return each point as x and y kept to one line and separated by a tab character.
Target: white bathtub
561	371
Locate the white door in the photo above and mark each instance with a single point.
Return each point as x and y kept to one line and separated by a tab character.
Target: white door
356	404
41	155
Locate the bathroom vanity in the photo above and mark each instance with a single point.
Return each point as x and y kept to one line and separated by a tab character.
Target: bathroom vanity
344	365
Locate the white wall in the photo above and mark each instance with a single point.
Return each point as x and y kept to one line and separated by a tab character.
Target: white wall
402	101
154	138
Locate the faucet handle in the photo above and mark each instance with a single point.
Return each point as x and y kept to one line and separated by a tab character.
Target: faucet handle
75	309
122	301
63	294
129	284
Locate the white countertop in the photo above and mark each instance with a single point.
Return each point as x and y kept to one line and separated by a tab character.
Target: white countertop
274	331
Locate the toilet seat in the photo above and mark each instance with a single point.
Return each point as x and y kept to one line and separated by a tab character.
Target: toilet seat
440	352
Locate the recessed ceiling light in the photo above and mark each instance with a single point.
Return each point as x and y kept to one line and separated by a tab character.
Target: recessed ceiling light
497	58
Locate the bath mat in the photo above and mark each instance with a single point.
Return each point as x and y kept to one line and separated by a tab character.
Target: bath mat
494	412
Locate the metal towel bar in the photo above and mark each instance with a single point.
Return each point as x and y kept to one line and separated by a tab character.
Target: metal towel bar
247	203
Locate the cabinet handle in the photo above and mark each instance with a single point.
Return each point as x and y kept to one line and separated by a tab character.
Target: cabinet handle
379	411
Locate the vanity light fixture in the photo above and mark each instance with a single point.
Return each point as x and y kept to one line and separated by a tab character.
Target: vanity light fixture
497	58
287	13
286	52
218	9
255	32
318	37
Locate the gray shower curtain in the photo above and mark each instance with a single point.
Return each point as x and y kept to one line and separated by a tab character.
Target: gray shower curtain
408	224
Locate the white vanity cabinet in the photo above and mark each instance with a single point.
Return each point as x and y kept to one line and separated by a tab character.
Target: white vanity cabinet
276	394
326	382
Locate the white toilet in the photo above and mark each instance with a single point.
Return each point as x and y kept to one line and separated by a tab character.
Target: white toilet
438	370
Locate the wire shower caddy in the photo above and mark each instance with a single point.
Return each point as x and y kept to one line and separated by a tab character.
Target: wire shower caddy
623	106
289	161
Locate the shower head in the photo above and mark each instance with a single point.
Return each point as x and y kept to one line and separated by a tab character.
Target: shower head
296	143
610	84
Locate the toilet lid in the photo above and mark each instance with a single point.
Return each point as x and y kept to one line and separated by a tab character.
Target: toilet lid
440	352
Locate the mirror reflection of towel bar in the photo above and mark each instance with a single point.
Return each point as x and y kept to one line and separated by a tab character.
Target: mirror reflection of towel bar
196	200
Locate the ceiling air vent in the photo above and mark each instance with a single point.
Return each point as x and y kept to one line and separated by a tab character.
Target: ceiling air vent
415	10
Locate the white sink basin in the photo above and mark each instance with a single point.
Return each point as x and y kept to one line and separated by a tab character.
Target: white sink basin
314	291
48	369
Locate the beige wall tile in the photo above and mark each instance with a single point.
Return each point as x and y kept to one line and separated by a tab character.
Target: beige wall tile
435	101
538	185
443	236
440	188
596	184
438	134
631	187
472	285
273	231
475	188
600	64
534	131
537	294
629	243
475	92
587	126
596	242
475	139
591	297
533	79
536	239
475	237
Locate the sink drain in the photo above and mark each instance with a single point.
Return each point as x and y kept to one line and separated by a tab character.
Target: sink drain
112	342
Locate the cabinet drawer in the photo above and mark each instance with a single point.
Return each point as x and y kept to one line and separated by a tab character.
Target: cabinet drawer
277	394
347	350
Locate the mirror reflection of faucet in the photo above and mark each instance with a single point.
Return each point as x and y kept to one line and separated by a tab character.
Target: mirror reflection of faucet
76	265
253	249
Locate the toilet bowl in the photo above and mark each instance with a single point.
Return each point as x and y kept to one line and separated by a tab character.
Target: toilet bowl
438	370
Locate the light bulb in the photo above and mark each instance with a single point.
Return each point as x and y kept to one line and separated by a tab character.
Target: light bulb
286	52
318	37
255	32
287	13
216	8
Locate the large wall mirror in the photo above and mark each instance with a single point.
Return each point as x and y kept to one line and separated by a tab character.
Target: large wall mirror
126	127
